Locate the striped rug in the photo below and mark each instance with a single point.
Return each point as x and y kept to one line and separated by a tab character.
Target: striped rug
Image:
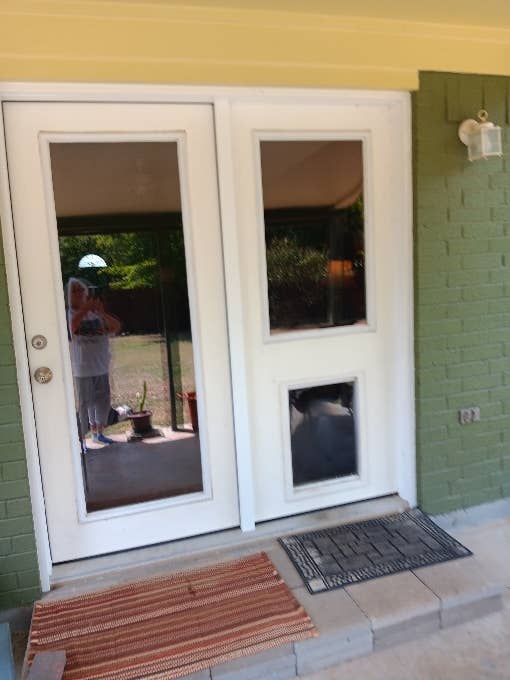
171	626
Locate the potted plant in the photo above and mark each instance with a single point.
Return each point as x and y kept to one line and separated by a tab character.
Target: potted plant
140	418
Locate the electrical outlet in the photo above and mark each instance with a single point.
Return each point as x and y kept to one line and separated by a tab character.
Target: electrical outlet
469	415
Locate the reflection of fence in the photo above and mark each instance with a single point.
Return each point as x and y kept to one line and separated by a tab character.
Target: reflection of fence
140	311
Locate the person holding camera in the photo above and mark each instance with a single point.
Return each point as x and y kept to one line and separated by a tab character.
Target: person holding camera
90	327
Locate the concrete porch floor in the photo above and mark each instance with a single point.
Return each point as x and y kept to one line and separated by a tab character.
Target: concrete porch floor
377	618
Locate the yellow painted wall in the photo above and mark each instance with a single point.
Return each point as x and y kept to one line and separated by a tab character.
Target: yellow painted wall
159	41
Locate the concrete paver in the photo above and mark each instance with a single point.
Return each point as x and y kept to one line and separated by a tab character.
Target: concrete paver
399	606
344	631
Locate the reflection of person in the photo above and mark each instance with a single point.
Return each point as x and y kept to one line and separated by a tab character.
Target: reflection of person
89	328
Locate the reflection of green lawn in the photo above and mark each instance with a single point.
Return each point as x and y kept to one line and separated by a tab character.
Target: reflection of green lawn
136	358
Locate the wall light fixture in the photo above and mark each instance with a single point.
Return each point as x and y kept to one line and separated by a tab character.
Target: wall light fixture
482	138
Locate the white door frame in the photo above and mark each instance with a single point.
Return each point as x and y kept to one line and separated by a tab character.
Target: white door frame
221	99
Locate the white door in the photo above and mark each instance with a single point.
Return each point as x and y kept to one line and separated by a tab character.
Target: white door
128	195
319	218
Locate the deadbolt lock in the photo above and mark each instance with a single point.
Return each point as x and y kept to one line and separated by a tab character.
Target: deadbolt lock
39	342
43	375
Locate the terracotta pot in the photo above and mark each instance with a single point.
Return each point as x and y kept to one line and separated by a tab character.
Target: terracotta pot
141	422
191	398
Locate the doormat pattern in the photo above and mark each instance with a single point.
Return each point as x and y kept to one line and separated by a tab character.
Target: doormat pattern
171	626
350	553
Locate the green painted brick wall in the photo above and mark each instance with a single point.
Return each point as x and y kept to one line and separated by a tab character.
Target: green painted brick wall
462	295
19	575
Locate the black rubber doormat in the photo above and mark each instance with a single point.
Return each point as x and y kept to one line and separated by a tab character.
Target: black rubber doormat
351	553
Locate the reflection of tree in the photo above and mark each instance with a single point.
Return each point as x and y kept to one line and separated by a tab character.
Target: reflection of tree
301	246
296	275
132	258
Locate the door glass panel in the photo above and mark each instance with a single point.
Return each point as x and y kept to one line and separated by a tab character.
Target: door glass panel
322	432
314	233
123	266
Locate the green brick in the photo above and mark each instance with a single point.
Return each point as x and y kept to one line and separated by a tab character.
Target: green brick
501	365
29	579
433	296
5	546
431	374
480	470
443	263
16	563
23	543
465	310
492	410
441	505
486	352
432	405
19	507
7	355
498	180
431	420
481	496
15	526
467	246
443	327
489	292
495	321
473	398
8	396
8	582
467	215
476	442
14	471
432	313
492	198
8	375
19	598
500	245
17	489
430	279
435	389
436	357
433	434
472	183
467	340
468	370
468	278
499	214
9	413
480	382
486	230
11	452
11	433
482	261
464	486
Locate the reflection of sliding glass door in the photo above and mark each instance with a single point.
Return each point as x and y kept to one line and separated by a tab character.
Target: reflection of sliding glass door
319	225
133	307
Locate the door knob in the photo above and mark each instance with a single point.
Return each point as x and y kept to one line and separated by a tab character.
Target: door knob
43	375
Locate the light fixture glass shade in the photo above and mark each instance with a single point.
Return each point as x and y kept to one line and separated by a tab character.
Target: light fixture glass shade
91	260
484	142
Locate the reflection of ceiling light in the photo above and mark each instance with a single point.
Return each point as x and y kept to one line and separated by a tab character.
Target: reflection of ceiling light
482	138
91	260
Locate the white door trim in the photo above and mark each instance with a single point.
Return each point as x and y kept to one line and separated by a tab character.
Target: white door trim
221	98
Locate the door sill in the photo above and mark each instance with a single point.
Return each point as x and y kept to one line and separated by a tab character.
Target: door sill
70	578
